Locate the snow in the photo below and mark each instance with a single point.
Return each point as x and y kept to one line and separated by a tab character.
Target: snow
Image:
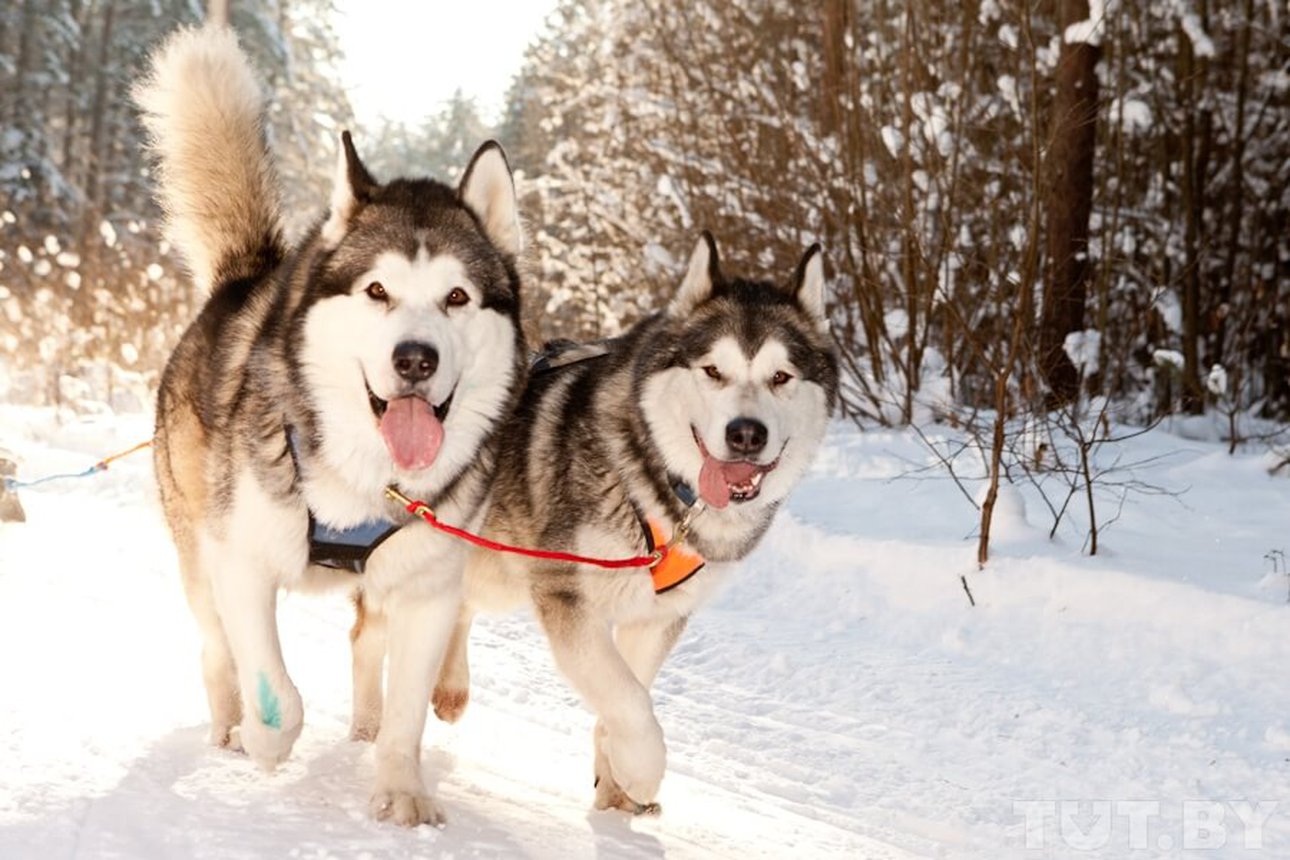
840	699
1216	381
893	140
1201	43
1169	307
1008	88
1082	348
1133	114
1091	29
896	321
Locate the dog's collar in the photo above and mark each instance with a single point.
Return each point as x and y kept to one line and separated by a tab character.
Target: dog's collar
341	549
684	493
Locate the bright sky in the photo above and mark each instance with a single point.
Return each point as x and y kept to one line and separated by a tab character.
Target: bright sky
405	58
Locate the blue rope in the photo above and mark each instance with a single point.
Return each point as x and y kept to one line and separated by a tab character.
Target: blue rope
15	484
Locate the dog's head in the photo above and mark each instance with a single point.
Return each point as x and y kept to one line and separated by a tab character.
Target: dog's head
410	341
741	393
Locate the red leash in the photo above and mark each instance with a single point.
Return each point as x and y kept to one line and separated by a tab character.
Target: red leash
422	510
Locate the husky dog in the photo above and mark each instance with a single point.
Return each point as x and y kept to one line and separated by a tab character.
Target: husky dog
692	428
383	349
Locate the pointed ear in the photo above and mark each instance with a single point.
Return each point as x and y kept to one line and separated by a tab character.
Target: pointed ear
807	285
353	188
702	274
489	190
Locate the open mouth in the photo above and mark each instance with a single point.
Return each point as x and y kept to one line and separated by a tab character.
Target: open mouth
724	481
380	406
411	427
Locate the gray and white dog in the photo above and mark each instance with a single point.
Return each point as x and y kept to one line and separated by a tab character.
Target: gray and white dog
383	349
700	420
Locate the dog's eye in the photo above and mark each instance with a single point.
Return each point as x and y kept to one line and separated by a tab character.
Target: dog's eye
376	292
712	372
458	297
780	378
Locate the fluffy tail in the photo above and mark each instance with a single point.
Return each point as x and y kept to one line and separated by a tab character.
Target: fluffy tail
204	112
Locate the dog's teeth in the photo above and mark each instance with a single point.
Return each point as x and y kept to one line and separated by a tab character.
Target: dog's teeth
756	479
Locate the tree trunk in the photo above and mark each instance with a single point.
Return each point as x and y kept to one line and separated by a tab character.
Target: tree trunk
71	107
909	246
1069	202
98	124
1237	191
18	115
1195	153
847	119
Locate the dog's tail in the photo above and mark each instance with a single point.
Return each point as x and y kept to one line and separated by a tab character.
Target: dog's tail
204	112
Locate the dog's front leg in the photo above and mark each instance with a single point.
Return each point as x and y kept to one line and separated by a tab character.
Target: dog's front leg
368	644
418	630
246	595
630	737
644	645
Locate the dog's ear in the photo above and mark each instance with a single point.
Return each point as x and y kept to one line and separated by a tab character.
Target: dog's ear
488	188
807	285
353	188
701	276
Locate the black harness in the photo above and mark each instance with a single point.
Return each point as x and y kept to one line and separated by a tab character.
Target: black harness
341	549
347	549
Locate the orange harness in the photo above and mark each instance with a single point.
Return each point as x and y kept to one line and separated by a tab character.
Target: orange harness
676	564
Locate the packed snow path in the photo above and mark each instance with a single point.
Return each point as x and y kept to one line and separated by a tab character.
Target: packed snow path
840	700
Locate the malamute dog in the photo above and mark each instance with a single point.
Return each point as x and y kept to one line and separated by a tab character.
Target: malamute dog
692	428
383	349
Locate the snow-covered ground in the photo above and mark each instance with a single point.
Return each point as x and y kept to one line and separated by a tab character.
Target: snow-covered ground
840	700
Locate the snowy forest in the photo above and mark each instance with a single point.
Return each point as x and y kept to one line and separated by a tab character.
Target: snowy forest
1026	600
1021	203
92	300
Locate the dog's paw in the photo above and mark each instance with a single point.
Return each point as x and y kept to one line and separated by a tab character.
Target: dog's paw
365	723
269	745
364	730
637	761
406	808
267	736
450	703
610	796
225	737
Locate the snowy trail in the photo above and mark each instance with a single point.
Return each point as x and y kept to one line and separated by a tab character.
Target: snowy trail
102	725
840	700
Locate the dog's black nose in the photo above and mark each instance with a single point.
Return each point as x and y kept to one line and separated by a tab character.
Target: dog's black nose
746	436
415	361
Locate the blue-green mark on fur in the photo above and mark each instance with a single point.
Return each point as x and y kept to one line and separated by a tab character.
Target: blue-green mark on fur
270	715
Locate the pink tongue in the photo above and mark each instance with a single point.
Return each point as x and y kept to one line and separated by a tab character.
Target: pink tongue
716	476
411	432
